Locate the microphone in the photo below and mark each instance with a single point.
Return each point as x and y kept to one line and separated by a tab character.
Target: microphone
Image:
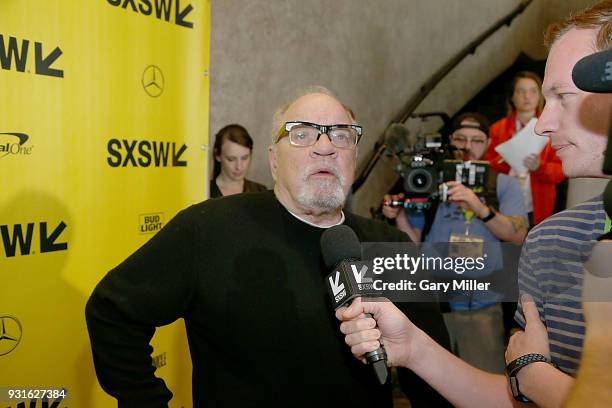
398	138
340	247
593	73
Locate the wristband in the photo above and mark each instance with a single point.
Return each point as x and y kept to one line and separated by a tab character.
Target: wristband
488	218
515	366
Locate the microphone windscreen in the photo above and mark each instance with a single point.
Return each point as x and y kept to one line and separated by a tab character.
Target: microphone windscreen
339	243
593	73
397	138
411	140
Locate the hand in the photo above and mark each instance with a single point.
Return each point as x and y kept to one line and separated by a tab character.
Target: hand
532	162
466	199
394	330
392	212
535	337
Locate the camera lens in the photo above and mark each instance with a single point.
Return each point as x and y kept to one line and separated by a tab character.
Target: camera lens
418	181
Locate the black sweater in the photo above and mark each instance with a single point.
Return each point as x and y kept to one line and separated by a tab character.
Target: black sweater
248	279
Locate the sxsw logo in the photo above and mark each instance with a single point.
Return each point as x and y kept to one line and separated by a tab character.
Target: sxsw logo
337	287
149	223
363	283
14	52
14	144
163	10
349	280
144	153
42	403
22	235
608	71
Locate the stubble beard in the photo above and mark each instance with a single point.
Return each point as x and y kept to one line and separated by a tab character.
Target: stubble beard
322	195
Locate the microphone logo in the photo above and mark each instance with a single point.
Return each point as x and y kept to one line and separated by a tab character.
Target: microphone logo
337	287
363	283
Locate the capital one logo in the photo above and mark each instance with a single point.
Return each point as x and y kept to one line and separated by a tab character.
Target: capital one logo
10	334
14	144
13	53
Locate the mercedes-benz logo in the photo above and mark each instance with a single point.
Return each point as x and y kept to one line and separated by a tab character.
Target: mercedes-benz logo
153	81
10	334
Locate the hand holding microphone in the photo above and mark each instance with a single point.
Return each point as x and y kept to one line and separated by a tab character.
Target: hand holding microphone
340	247
367	325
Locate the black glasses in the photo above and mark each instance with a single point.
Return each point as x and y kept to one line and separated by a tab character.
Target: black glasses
462	140
304	134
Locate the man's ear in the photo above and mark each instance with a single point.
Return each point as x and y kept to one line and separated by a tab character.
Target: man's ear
273	160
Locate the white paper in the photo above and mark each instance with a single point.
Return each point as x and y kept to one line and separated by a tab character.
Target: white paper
521	145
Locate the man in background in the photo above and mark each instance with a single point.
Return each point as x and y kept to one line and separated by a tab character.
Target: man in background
475	321
552	264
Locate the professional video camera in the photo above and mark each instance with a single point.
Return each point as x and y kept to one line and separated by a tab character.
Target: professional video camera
425	163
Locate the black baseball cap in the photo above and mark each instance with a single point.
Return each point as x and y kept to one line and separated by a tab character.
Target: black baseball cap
475	121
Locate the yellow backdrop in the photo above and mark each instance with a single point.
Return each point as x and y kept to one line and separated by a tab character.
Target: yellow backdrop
103	116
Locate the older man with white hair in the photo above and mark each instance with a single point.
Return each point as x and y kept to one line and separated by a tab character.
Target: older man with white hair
245	272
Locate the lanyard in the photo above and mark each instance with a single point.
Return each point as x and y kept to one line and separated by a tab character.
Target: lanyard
468	215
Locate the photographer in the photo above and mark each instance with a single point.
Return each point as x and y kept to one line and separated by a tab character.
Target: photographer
475	324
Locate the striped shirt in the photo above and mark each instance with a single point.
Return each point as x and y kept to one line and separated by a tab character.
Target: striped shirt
550	270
